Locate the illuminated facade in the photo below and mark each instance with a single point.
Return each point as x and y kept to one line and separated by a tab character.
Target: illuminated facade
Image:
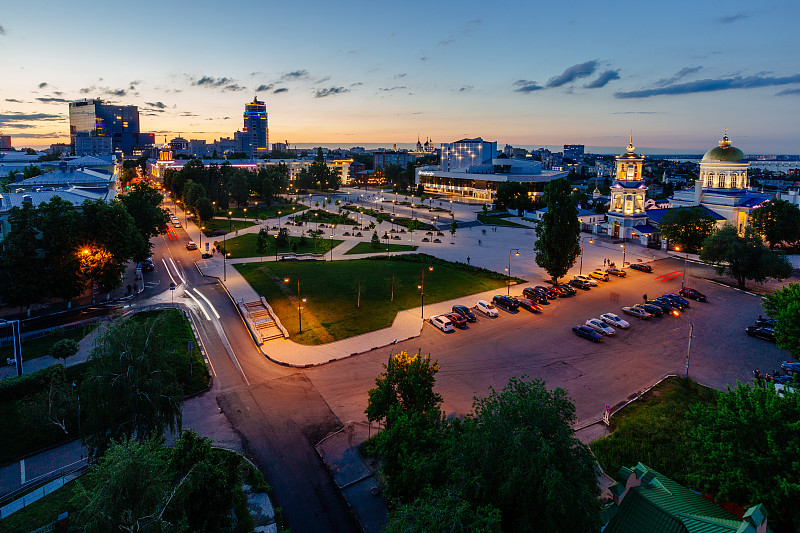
628	192
93	118
256	129
724	167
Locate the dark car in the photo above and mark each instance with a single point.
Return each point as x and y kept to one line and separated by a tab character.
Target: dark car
694	294
506	302
581	284
674	296
766	322
558	291
457	320
664	307
587	333
465	313
671	303
652	309
530	305
616	272
148	265
547	292
760	332
536	296
567	289
791	367
640	267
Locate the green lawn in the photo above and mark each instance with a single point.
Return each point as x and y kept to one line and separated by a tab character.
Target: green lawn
40	347
652	430
44	511
387	217
261	211
326	217
246	246
222	223
496	220
331	289
366	248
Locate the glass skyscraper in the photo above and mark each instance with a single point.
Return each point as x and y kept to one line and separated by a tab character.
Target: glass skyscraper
255	127
93	118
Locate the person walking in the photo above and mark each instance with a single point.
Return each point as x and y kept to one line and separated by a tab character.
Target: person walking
644	297
467	259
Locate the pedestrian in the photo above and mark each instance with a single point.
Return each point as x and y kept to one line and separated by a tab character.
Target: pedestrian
644	297
604	262
479	242
467	259
757	376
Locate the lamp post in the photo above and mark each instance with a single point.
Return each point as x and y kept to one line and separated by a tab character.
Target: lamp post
623	253
225	265
245	215
685	259
421	288
276	247
299	303
509	268
16	340
201	238
689	347
230	224
580	269
279	220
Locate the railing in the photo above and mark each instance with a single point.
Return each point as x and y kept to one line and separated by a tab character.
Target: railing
5	341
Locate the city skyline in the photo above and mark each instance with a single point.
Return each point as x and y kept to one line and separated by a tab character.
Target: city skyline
676	74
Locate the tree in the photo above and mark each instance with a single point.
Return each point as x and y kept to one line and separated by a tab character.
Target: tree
376	241
518	453
130	388
453	228
558	232
143	204
283	237
55	405
204	209
239	188
406	382
687	227
744	450
778	221
22	269
127	176
743	257
62	237
192	192
262	241
64	349
511	195
784	306
443	510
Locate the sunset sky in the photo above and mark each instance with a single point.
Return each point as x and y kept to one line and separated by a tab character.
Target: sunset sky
350	73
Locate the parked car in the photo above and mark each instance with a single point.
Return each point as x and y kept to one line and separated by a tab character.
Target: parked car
191	245
683	301
530	305
789	366
547	292
581	284
587	279
567	289
487	309
558	291
652	309
506	302
206	255
694	294
536	296
664	307
671	303
457	320
148	265
600	327
614	320
441	322
637	312
640	267
616	272
464	311
176	224
599	274
587	333
761	332
766	321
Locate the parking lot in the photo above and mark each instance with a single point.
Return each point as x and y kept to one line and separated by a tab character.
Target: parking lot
542	345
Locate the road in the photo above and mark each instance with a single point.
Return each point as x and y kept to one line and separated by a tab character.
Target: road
274	409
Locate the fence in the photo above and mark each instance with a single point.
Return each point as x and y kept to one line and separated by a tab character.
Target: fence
5	341
58	478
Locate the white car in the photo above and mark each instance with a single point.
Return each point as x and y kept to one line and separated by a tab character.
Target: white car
587	279
635	311
600	327
441	322
614	320
486	308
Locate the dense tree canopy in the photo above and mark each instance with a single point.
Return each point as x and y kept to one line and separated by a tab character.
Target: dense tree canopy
784	306
143	204
407	382
687	227
558	233
778	221
743	257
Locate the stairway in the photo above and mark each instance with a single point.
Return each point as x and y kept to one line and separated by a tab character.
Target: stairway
263	321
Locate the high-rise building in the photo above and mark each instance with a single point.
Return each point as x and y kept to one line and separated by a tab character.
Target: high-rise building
574	152
255	126
93	118
5	142
466	153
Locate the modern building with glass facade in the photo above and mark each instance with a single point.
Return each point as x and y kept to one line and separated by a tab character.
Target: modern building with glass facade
256	129
93	118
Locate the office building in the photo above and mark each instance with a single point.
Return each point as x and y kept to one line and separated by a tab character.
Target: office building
256	128
5	142
574	152
393	157
93	118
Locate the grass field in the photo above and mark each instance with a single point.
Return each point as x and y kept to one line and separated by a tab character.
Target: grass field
347	298
326	217
261	211
246	246
652	430
40	347
495	220
366	248
210	226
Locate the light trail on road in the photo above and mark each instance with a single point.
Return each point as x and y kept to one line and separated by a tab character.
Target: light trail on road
203	309
166	267
208	302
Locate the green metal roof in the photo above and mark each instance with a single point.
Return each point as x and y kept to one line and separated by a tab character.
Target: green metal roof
730	154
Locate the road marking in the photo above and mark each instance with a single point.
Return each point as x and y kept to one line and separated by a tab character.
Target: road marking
207	301
203	309
178	272
206	357
166	267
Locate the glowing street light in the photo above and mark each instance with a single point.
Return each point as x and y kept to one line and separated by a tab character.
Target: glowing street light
299	303
421	288
509	268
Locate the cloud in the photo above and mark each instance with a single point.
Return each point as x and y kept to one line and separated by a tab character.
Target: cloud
322	80
634	113
264	88
2	30
39	135
295	75
526	86
581	70
400	76
389	89
730	19
14	100
115	92
356	84
51	100
43	85
157	105
188	114
330	91
472	26
21	120
87	90
447	42
603	79
224	83
682	73
787	92
424	58
465	88
280	90
711	85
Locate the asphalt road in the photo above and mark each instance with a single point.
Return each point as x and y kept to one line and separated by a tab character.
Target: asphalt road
274	409
543	346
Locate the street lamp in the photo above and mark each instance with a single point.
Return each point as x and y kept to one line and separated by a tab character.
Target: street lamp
276	247
509	268
422	291
580	269
299	303
623	254
225	265
685	259
16	340
201	238
245	215
689	347
230	224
